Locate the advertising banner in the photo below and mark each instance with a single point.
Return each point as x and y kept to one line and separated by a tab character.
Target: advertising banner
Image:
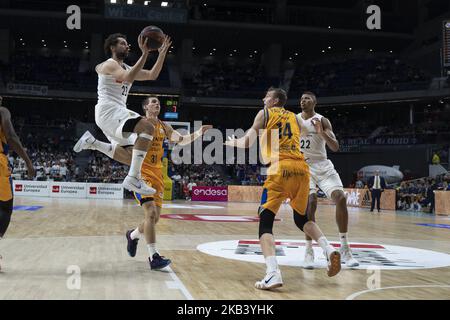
209	193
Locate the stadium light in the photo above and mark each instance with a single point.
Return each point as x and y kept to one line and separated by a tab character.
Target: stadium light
146	3
350	49
113	1
129	1
164	4
329	47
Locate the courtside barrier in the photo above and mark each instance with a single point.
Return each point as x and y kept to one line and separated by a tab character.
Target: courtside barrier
78	190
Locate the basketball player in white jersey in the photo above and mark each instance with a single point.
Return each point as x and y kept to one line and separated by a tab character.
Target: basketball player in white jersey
121	125
312	143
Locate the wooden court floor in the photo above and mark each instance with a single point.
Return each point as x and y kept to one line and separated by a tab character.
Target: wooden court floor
76	249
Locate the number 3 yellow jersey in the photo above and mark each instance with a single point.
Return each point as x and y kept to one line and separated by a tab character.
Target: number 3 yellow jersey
283	123
153	159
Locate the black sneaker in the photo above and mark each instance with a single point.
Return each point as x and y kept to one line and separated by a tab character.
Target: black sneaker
158	262
132	244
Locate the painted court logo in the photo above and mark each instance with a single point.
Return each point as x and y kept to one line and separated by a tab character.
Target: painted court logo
212	218
291	253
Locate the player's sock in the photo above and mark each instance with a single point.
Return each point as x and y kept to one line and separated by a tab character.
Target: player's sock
135	234
324	244
271	263
151	250
344	240
137	158
103	147
308	245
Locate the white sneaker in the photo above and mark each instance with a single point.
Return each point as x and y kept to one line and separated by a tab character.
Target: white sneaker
308	262
347	257
334	262
85	142
272	280
138	186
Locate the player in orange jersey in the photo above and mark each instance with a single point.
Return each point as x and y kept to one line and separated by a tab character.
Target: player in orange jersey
151	173
8	138
288	177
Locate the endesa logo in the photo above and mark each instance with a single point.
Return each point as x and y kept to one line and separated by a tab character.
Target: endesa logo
211	192
18	188
92	190
55	189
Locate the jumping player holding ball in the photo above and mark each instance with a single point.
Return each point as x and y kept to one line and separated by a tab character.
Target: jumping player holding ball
121	125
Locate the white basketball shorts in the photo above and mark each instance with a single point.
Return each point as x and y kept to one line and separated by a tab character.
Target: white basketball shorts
323	175
111	118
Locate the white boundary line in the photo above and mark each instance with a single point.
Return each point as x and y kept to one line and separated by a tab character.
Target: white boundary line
177	284
356	294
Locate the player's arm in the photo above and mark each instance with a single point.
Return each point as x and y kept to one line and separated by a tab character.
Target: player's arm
325	130
251	135
153	74
13	140
113	68
180	139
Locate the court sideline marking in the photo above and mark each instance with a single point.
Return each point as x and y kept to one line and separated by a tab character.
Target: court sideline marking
178	284
356	294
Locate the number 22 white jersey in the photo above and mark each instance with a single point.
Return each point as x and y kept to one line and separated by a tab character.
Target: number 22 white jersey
311	144
110	90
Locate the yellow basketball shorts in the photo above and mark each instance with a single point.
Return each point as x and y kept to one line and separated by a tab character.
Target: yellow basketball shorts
154	178
291	180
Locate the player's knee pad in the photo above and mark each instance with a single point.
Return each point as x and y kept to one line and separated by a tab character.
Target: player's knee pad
5	216
300	220
266	219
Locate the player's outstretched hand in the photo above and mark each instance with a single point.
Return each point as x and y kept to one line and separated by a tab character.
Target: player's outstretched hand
317	125
166	45
142	42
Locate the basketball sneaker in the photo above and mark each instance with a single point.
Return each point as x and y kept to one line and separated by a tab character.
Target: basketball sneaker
138	186
132	243
272	280
308	262
333	262
347	257
158	262
85	142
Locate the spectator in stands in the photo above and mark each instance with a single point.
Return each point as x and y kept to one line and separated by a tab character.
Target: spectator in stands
436	159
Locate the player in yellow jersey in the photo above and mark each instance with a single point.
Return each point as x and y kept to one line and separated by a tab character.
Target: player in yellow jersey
288	177
8	138
151	173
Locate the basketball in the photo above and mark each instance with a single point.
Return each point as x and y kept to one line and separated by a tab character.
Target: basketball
155	37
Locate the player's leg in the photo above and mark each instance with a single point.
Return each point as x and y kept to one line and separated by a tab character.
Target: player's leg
110	149
144	129
308	261
6	208
312	229
270	203
299	199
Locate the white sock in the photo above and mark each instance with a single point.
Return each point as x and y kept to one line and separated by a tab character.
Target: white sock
151	249
308	245
325	245
103	147
344	240
272	264
137	158
135	234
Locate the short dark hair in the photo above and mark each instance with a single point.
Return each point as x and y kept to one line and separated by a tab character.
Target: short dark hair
112	41
311	94
280	94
